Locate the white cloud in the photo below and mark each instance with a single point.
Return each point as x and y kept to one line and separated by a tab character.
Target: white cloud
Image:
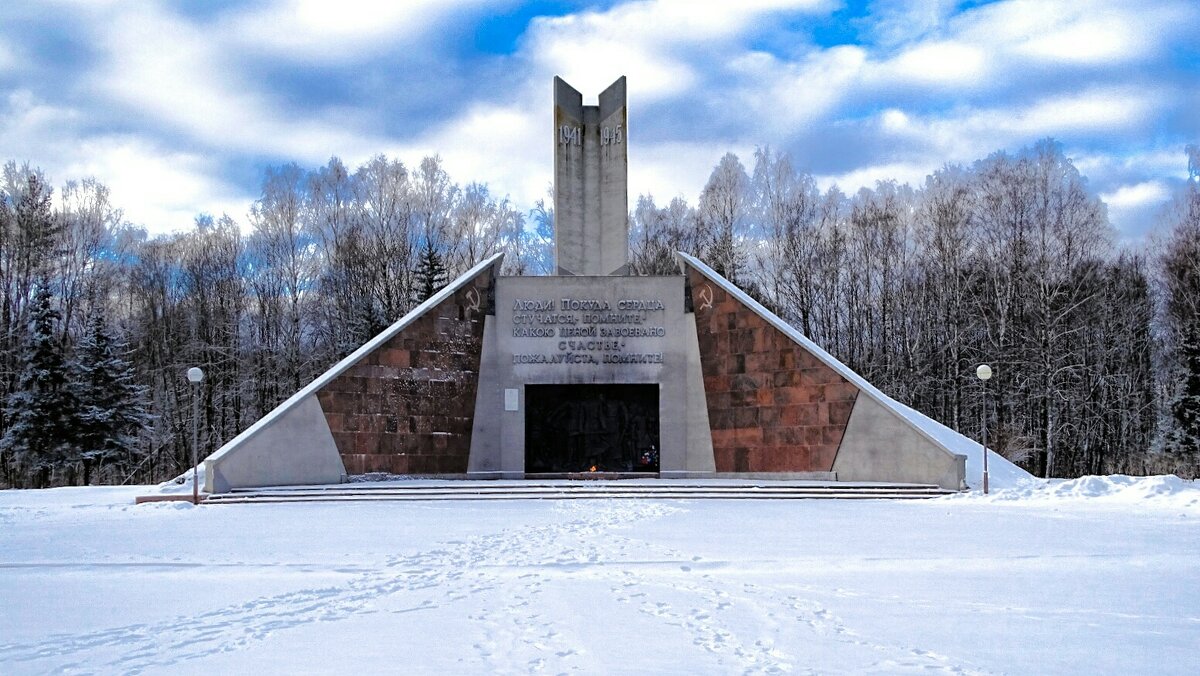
773	98
669	170
894	120
591	62
341	31
672	22
8	60
649	41
1137	195
507	148
174	74
1092	40
1159	161
1100	109
1135	208
26	120
1012	21
157	187
905	172
160	189
1082	31
969	133
1008	40
939	63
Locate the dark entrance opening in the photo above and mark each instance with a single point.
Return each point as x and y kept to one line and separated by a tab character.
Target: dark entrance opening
591	428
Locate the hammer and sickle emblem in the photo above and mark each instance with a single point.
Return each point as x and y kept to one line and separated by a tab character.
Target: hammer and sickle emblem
706	297
473	299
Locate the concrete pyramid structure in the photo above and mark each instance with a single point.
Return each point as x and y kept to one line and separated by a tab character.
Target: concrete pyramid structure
423	398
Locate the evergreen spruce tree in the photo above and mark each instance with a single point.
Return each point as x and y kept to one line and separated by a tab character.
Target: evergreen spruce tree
42	412
431	273
366	322
1184	436
112	408
1181	272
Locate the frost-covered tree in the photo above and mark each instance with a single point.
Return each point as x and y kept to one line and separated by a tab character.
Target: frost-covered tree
43	412
656	234
434	196
478	227
723	213
112	403
282	267
1045	233
540	249
1181	280
86	222
785	217
379	256
650	246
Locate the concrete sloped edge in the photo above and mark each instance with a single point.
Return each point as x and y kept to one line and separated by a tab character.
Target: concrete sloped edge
352	359
888	404
876	448
296	448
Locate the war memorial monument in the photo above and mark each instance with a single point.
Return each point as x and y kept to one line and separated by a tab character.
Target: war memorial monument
591	370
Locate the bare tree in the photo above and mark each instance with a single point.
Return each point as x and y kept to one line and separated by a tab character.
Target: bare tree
388	231
282	271
785	205
477	227
723	212
87	222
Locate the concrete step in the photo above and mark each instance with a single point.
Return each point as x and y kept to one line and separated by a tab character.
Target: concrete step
260	499
398	491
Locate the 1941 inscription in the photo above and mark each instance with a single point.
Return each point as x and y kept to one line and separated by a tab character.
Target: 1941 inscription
570	135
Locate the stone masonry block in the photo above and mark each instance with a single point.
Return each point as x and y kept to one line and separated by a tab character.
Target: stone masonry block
797	408
384	409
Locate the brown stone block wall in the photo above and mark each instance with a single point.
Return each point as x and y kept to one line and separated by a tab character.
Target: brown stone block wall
407	407
772	405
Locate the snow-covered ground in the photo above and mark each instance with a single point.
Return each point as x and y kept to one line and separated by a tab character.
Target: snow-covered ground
1093	575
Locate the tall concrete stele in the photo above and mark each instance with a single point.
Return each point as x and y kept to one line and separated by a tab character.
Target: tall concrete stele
591	182
590	370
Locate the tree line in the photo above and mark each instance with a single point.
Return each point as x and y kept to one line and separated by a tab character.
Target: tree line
96	317
1010	261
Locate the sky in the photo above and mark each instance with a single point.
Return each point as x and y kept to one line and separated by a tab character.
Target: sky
180	107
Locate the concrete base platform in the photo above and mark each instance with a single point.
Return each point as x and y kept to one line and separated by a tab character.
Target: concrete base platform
433	489
168	497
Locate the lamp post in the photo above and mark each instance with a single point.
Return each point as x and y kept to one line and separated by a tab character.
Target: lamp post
984	372
194	376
